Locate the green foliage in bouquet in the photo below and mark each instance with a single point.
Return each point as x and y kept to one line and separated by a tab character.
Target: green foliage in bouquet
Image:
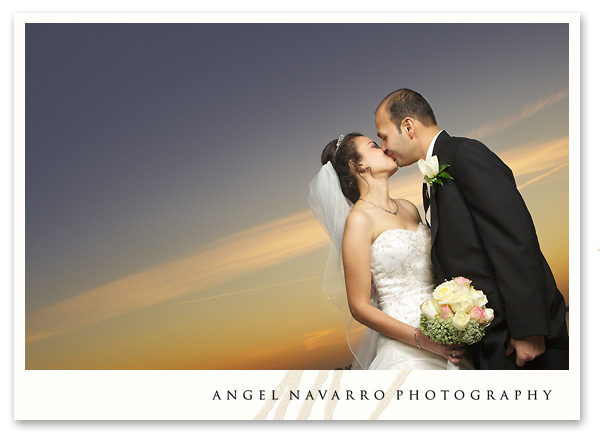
444	332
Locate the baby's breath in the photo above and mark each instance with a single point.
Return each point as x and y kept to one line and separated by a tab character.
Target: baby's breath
444	332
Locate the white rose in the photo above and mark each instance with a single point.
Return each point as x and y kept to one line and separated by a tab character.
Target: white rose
478	298
430	308
429	168
460	320
489	314
443	293
460	302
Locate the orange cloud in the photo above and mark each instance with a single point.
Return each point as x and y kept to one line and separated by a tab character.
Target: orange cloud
328	344
538	157
315	340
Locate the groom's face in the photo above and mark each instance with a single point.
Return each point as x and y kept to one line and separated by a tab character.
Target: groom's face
393	142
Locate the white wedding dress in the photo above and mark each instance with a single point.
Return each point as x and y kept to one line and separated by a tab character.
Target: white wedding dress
403	278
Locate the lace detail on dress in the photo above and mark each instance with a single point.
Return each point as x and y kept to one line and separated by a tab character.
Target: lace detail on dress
403	278
402	273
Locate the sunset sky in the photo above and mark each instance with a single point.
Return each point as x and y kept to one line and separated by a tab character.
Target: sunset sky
167	171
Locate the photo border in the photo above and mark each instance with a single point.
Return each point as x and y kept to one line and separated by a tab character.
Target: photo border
192	395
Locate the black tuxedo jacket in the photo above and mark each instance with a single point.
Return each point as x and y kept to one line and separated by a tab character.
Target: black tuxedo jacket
482	230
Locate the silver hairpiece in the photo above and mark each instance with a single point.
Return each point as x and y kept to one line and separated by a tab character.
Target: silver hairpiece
339	141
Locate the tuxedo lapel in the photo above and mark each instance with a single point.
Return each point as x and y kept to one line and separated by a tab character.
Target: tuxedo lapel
437	151
434	217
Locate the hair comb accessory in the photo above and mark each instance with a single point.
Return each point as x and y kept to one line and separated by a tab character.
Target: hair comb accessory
339	140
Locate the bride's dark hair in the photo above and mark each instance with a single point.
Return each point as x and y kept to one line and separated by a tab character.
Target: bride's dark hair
340	157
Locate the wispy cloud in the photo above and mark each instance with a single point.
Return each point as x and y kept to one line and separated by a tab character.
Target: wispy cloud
220	261
544	175
496	126
538	157
244	252
314	340
249	290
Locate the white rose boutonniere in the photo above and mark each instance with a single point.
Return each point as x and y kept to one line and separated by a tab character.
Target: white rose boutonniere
432	171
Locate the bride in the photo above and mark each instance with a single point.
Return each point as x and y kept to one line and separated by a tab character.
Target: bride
385	248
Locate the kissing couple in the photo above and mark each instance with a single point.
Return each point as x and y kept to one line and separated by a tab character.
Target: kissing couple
385	261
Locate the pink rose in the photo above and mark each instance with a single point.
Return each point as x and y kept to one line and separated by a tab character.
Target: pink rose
445	312
462	280
478	315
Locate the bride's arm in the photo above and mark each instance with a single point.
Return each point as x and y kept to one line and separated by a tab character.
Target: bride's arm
356	254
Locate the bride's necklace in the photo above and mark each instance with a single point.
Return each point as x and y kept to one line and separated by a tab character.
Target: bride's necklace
382	208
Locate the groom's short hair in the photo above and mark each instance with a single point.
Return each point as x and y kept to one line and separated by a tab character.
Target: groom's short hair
404	103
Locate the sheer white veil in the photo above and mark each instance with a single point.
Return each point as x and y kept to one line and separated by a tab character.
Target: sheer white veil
331	208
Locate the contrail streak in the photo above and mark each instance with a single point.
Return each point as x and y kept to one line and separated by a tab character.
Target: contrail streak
533	180
497	126
264	287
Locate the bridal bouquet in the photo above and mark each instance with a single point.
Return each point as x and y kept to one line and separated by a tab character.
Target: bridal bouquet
456	313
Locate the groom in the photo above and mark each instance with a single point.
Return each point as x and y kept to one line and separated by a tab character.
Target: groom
482	230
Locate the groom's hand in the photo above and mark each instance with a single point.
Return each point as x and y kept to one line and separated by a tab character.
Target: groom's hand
527	348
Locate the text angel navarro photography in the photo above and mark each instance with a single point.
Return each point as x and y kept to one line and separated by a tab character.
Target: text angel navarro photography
378	395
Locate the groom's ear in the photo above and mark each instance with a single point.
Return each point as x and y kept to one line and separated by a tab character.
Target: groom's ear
408	124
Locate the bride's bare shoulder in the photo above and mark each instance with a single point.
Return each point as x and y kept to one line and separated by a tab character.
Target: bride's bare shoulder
359	219
358	231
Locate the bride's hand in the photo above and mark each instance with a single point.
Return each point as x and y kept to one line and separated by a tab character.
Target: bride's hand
452	353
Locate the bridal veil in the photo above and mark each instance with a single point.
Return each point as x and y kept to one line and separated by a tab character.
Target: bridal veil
331	208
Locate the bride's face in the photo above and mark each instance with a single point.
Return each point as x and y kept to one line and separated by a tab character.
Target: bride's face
373	157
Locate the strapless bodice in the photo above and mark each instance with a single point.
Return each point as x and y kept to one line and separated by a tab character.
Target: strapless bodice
402	273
